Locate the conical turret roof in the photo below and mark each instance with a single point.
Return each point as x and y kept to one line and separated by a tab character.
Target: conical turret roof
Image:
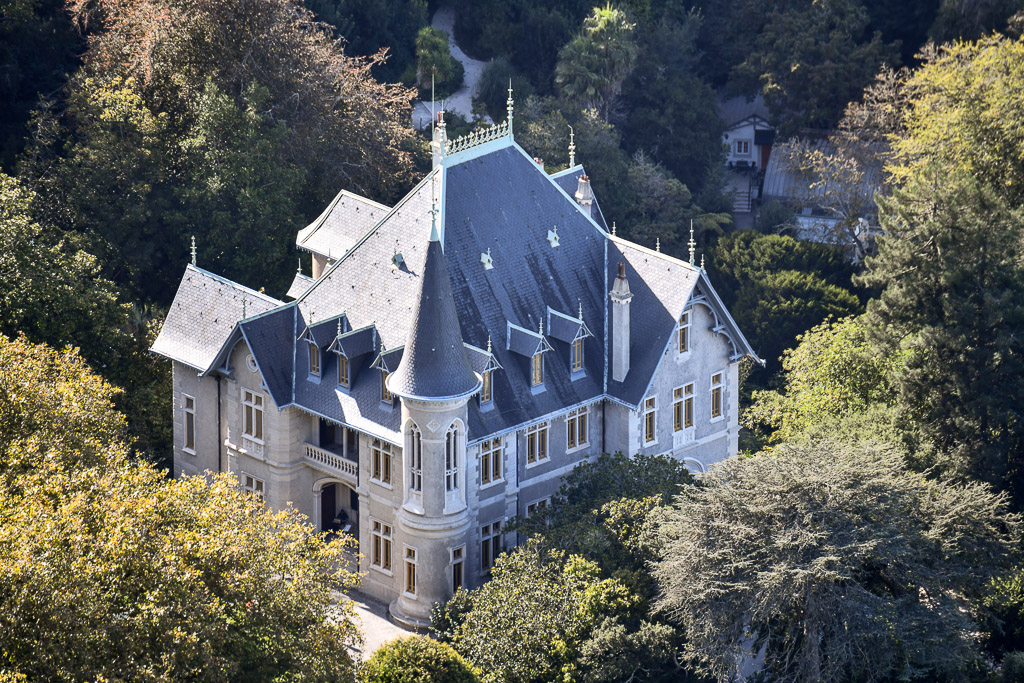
434	363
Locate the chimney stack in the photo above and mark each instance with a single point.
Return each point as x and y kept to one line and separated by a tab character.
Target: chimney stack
584	196
621	297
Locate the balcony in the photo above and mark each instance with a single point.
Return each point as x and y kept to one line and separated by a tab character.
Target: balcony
332	463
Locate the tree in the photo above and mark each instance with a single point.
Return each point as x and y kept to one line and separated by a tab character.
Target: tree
832	373
435	66
534	619
835	560
416	659
777	287
953	300
592	66
810	60
110	571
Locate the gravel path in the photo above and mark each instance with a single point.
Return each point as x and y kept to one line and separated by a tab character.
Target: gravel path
373	620
461	101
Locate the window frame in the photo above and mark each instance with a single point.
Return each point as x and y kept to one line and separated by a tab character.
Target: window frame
253	404
188	423
486	388
315	366
344	371
742	147
650	420
451	459
385	395
717	389
537	443
537	370
577	429
410	564
490	545
539	504
381	546
254	485
492	456
381	472
683	334
457	560
576	356
415	461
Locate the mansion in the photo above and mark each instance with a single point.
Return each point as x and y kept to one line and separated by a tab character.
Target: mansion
451	358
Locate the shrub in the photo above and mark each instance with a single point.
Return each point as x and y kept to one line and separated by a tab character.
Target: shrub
492	88
434	58
416	659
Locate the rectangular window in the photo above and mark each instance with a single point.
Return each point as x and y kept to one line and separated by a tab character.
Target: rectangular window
342	370
716	395
743	147
536	443
650	433
380	462
458	560
485	390
535	507
538	369
252	407
253	485
385	395
410	570
688	406
684	332
451	459
490	545
189	442
577	354
380	553
416	461
490	460
576	428
314	359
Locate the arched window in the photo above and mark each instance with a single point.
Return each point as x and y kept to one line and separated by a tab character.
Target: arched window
415	461
451	460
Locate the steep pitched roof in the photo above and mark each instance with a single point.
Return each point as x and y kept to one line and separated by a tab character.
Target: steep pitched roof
569	181
434	363
347	218
202	316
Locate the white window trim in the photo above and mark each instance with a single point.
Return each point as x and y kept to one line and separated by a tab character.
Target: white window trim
262	493
689	333
547	444
711	388
579	445
490	540
391	537
262	409
533	504
451	566
480	456
643	422
185	412
385	449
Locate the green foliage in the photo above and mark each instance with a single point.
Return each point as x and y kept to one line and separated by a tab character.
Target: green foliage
535	616
823	551
434	61
776	287
831	373
492	88
109	571
810	59
972	20
775	217
369	26
593	65
1012	668
416	659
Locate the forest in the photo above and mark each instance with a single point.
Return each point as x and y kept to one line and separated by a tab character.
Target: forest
870	530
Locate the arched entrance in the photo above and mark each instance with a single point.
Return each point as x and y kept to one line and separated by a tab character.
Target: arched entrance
338	508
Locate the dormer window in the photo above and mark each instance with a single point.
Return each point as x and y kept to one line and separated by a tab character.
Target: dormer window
385	395
684	332
485	389
314	359
576	360
537	365
343	376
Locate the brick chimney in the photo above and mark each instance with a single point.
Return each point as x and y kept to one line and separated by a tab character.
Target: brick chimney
621	297
584	196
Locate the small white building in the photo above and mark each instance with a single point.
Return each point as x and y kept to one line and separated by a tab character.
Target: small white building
453	358
749	143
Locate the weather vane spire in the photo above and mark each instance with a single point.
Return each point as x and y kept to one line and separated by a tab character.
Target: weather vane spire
693	245
193	250
572	147
510	107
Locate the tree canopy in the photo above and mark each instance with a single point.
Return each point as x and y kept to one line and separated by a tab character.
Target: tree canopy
835	560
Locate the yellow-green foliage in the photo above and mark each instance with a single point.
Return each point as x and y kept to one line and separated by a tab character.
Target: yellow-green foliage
108	570
417	659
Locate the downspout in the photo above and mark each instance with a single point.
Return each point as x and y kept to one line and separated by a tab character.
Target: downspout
220	438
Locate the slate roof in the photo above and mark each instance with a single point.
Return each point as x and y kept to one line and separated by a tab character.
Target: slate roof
299	286
347	218
494	198
203	315
434	363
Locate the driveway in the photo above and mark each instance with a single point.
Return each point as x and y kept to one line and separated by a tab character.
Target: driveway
461	101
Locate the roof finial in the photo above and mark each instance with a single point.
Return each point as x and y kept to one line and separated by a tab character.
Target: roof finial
243	308
702	261
580	314
193	250
339	325
434	237
693	245
572	148
542	327
657	244
509	105
613	228
488	343
300	265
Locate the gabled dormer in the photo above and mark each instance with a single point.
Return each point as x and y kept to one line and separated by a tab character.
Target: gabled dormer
352	351
387	361
532	346
572	331
484	363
